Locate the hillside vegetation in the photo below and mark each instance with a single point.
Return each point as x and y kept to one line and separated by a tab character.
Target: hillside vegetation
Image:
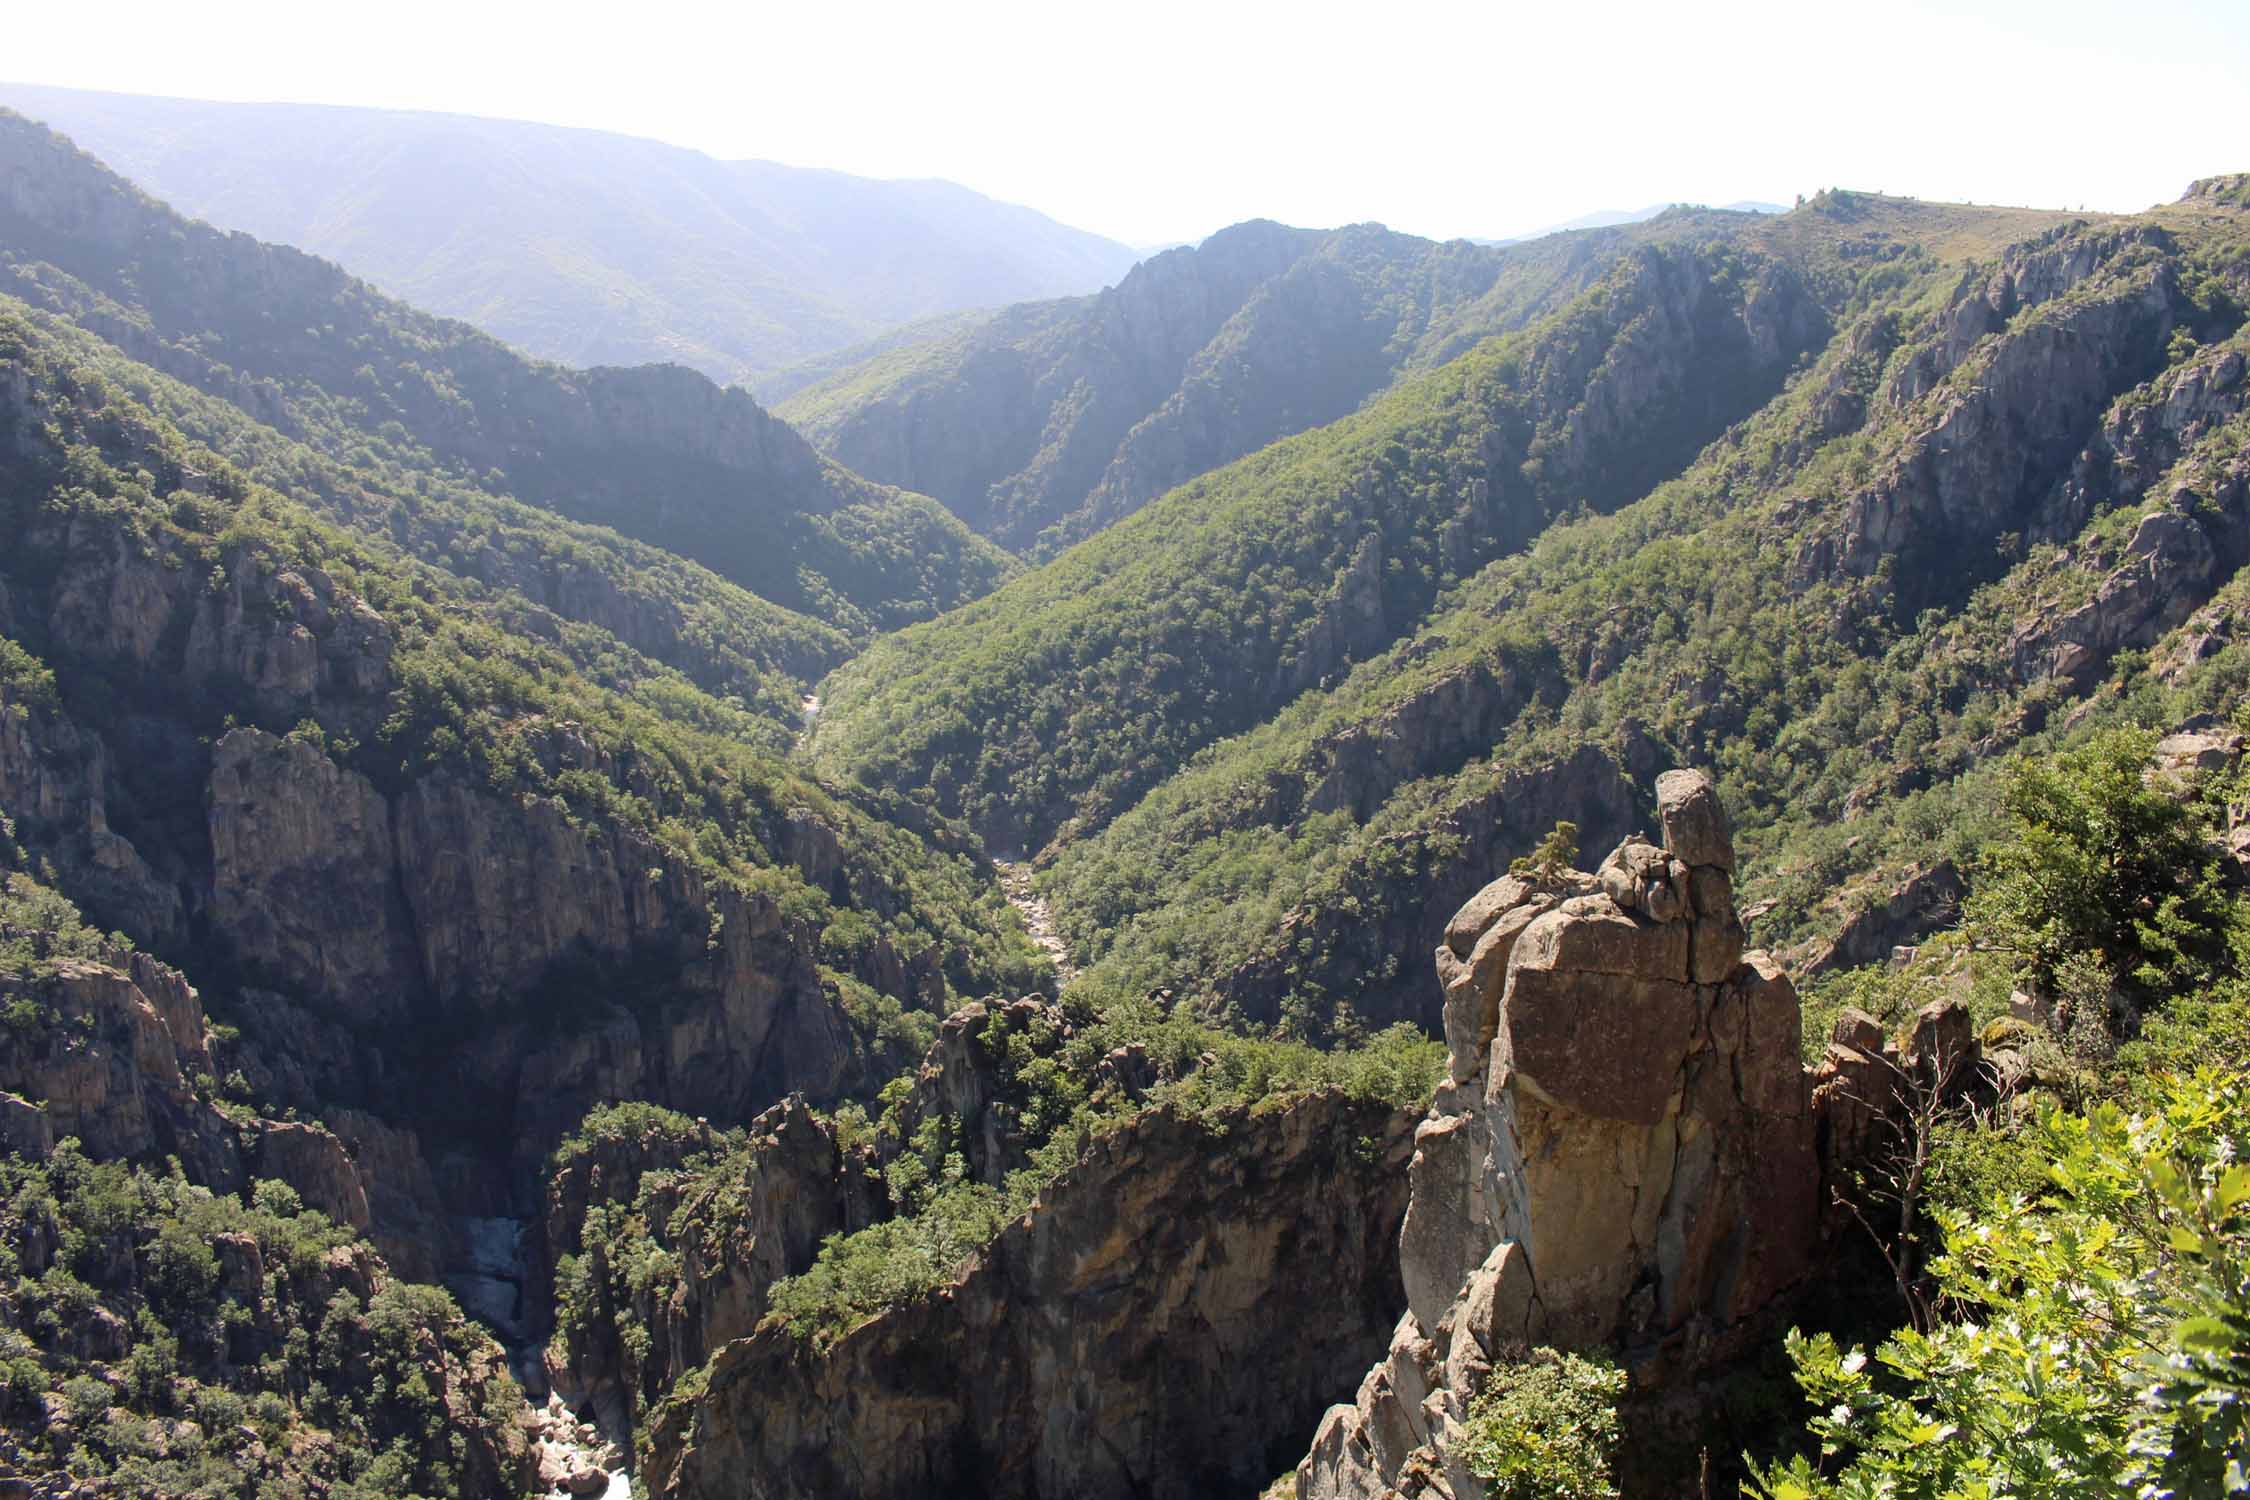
405	401
1046	422
1063	698
1881	577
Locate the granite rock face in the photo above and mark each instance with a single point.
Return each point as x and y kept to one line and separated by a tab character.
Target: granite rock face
355	921
1148	1329
2007	447
1624	1153
116	1053
1923	900
791	1185
56	787
381	909
964	1079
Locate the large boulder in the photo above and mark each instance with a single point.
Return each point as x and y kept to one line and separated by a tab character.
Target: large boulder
1694	821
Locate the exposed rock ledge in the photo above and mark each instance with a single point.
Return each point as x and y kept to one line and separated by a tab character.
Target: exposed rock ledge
1166	1322
1624	1152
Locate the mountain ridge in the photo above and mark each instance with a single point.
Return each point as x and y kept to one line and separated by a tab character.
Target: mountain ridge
582	245
1045	422
659	453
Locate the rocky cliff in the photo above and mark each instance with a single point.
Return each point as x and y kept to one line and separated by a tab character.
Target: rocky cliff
446	926
2000	403
1624	1152
1142	1331
114	1051
379	908
141	1178
732	1219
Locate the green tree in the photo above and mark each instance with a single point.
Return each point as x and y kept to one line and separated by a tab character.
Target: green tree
2097	862
1555	853
2101	1343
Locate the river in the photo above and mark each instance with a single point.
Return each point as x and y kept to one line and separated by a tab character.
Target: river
1038	916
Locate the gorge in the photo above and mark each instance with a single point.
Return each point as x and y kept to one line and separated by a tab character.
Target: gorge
563	932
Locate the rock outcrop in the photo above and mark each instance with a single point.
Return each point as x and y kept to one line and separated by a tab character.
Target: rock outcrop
1989	451
1144	1331
1624	1152
2178	556
966	1080
734	1228
109	1052
56	785
1924	900
380	909
116	1053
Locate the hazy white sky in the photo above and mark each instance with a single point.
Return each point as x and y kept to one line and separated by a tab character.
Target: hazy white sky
1164	120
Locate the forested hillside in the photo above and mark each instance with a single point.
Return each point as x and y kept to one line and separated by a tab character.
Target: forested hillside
1066	696
1047	422
1879	527
401	399
583	246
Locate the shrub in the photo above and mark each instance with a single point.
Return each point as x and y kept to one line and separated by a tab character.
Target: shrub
2102	1340
1546	1428
1553	855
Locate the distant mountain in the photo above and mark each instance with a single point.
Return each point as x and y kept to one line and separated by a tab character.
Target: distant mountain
1045	422
803	375
582	246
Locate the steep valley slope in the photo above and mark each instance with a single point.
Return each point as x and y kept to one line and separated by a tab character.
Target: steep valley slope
1061	699
1046	422
394	397
2000	463
415	867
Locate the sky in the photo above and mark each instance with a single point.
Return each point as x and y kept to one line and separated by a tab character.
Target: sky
1161	121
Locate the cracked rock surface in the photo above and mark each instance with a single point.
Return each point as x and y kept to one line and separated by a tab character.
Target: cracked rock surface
1623	1152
